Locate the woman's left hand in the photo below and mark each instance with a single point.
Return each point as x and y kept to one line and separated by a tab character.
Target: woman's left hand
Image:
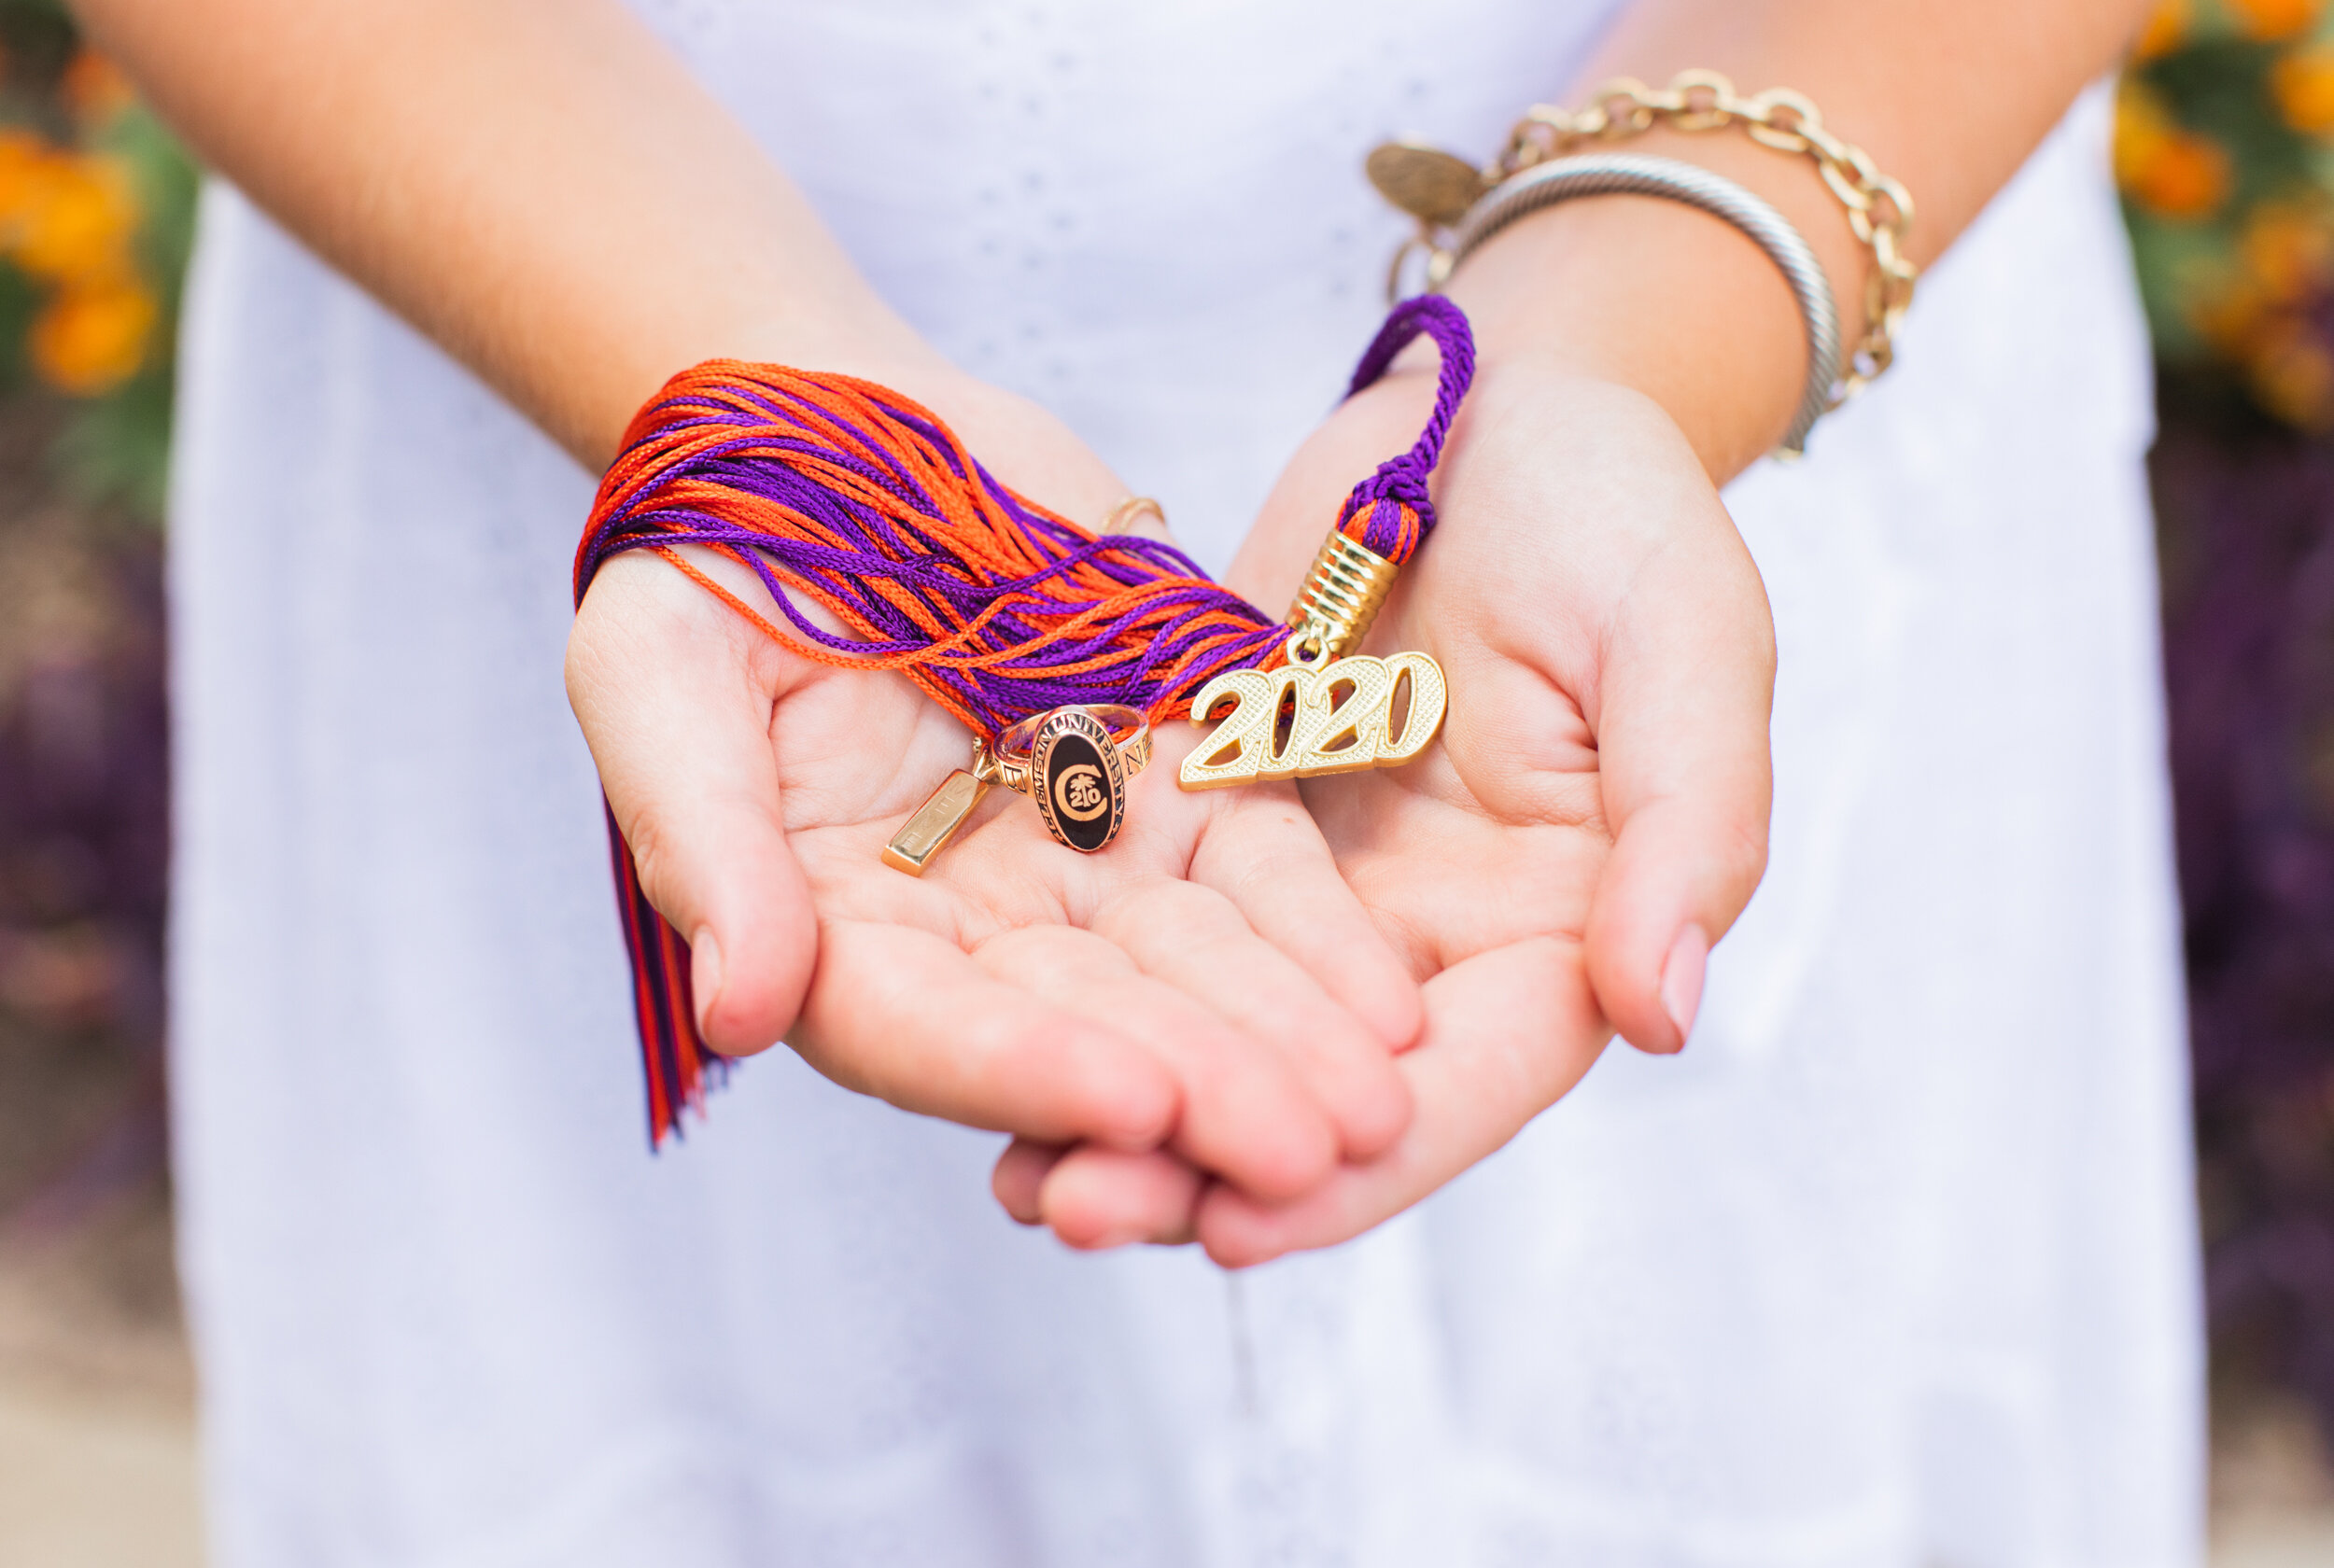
1591	817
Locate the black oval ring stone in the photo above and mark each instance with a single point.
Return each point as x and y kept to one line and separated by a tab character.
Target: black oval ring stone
1079	782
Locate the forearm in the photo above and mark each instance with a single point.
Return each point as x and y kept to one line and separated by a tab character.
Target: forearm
1947	97
536	184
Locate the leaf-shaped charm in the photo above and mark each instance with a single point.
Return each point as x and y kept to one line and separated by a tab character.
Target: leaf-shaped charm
1425	182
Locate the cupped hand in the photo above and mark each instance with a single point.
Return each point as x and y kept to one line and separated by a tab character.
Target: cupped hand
1208	985
1592	818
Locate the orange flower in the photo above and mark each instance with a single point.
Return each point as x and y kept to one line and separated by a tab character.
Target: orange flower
2141	125
2303	85
23	161
2230	313
2271	19
2292	375
80	216
2166	30
2288	248
2172	172
2183	177
94	88
91	337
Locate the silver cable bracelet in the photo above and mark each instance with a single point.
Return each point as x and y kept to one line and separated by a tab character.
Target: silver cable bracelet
1621	173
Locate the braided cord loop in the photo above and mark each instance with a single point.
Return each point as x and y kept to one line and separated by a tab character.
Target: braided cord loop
1390	512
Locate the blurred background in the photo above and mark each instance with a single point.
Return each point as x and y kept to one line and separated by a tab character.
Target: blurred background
97	1397
2225	153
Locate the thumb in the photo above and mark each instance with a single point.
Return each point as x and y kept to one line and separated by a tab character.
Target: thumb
660	677
1683	704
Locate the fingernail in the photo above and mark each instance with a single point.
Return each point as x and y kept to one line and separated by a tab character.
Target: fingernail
705	972
1682	979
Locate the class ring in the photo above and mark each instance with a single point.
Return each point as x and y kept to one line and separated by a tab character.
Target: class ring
1074	763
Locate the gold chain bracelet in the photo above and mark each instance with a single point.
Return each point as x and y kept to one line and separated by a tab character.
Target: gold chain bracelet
1879	209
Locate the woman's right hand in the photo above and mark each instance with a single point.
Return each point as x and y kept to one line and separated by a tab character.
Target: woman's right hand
1591	818
1209	984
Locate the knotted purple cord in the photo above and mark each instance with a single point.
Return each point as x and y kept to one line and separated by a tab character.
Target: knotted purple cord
1399	483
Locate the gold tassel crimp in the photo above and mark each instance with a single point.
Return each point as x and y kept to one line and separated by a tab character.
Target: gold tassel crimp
1339	598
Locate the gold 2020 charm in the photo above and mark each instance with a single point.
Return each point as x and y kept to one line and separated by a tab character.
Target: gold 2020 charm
1339	720
1339	712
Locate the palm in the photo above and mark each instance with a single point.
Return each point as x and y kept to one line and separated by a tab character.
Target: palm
1496	834
1209	980
1581	566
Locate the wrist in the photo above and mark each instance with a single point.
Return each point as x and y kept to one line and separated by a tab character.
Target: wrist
860	338
866	339
1651	295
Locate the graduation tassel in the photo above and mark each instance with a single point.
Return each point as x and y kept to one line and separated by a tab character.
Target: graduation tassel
1058	649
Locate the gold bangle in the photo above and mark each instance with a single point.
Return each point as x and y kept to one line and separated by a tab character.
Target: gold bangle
1440	190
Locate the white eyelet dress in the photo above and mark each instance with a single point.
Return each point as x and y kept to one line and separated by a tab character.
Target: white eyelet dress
1894	1267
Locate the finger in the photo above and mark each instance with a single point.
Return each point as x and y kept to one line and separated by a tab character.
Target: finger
1244	1115
1509	1032
1681	732
1095	1197
659	678
1192	938
906	1016
1267	856
1020	1171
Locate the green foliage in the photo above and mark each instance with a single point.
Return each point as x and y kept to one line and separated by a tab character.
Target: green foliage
69	115
116	446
